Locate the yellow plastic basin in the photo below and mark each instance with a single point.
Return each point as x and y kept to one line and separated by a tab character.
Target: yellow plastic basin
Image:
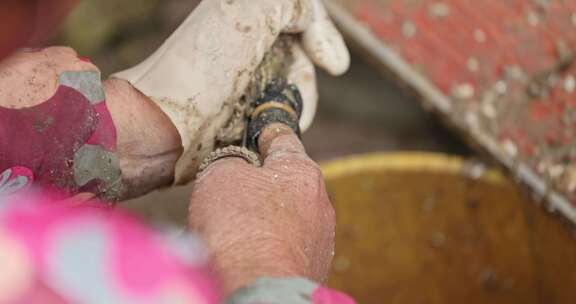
416	228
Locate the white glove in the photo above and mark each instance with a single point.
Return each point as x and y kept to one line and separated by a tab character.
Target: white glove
199	74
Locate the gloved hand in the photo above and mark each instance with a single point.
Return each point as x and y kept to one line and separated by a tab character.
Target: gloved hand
273	221
204	68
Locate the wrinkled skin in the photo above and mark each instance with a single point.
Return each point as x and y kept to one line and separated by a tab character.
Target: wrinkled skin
271	221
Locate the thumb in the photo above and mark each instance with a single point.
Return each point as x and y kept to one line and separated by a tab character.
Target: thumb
278	142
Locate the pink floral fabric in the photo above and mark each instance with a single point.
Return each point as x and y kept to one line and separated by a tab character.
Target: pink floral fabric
51	253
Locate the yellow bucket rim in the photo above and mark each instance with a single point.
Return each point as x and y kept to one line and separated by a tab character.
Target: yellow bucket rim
409	162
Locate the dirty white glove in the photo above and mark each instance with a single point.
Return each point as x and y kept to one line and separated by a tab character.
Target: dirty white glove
204	68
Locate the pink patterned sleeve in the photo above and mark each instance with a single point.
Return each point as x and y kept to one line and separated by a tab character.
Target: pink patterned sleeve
54	253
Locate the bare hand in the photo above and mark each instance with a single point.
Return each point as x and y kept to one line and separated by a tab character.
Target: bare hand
274	221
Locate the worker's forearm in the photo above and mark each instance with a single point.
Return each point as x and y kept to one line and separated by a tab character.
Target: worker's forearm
148	142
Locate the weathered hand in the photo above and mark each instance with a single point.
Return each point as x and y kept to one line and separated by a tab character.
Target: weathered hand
273	221
198	76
